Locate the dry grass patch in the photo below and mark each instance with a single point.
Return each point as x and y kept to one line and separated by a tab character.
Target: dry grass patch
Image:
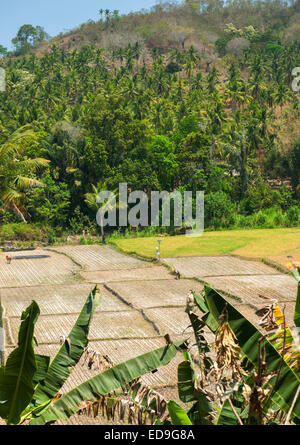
273	244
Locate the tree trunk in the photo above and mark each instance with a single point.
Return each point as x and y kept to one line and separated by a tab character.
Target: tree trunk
102	230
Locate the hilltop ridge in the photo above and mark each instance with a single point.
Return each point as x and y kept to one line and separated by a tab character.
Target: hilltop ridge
171	25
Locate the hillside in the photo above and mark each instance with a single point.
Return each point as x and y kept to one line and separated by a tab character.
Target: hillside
175	98
169	25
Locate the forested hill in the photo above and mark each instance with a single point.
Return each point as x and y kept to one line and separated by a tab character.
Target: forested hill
197	96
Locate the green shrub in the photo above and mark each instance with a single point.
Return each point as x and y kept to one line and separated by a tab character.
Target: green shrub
50	204
278	220
292	215
21	232
260	219
218	209
51	236
221	44
80	222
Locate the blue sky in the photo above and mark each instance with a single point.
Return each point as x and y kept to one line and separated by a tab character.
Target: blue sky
57	15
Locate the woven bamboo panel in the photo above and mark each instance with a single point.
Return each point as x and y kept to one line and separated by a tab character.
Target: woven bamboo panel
164	380
60	299
155	293
34	271
94	257
206	266
121	324
144	273
170	320
141	302
252	289
118	351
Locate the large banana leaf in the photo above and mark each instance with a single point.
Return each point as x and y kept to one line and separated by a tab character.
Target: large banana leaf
297	309
207	318
68	355
177	414
248	336
186	382
189	391
227	416
187	377
106	382
42	364
296	275
16	378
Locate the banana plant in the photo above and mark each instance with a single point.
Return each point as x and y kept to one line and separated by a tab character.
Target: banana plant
107	382
266	382
30	384
190	387
295	269
21	369
248	337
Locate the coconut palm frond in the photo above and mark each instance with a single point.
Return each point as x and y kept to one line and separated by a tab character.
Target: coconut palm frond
10	195
12	200
15	170
34	163
7	152
22	183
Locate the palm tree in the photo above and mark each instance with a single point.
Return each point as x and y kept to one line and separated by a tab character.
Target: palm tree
189	67
16	171
91	199
281	95
107	15
237	153
213	79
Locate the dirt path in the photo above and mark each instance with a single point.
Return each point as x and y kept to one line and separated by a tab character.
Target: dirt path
141	301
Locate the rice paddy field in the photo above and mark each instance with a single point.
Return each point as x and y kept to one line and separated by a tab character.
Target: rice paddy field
141	301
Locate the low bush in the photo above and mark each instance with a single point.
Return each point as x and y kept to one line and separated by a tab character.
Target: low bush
22	232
